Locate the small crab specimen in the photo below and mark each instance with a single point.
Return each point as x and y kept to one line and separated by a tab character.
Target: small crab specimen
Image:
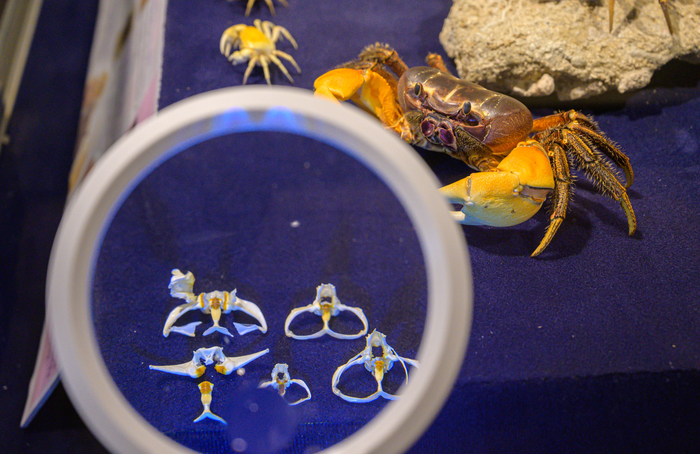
375	364
205	388
281	381
204	357
256	44
250	4
326	305
520	160
214	303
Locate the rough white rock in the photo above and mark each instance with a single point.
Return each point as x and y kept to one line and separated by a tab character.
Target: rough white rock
530	48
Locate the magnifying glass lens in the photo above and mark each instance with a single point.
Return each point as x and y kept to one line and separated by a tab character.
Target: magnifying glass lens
249	251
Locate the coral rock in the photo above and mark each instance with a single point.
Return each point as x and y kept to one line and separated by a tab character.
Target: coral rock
530	48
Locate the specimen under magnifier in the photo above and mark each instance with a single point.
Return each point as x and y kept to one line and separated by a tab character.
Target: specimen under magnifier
215	303
326	305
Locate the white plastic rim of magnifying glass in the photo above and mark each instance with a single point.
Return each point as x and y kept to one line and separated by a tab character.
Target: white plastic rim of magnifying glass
448	321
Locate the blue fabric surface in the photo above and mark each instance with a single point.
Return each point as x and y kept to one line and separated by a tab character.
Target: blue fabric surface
592	348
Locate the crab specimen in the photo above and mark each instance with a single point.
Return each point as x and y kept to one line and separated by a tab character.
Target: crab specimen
281	381
214	303
204	357
269	4
256	45
376	365
326	305
520	160
205	388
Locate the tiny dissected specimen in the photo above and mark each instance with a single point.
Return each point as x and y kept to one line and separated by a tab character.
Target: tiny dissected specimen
281	381
326	305
207	356
214	303
376	365
206	388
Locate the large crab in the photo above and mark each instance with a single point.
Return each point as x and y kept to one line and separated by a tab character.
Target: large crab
520	160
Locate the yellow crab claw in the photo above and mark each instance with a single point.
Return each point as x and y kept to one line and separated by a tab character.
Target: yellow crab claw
366	89
507	196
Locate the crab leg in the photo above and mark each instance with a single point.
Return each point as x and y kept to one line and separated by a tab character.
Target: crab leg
588	128
289	58
277	30
279	64
609	183
560	198
249	69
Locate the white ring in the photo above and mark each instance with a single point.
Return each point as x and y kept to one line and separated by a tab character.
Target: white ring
86	378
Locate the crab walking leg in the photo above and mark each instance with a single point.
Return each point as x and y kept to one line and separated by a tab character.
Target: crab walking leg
206	388
279	64
603	175
583	126
249	69
249	6
264	62
507	196
560	197
289	58
277	30
271	6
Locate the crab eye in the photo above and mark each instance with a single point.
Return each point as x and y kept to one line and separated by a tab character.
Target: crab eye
417	89
466	108
472	121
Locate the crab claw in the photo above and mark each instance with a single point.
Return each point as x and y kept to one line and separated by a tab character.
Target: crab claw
507	196
367	89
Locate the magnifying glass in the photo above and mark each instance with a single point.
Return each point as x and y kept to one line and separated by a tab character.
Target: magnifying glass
258	270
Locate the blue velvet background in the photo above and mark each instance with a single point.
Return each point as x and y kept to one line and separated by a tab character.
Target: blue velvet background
593	347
